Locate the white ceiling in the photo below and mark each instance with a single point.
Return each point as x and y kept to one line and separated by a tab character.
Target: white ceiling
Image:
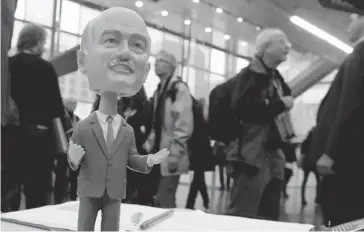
267	13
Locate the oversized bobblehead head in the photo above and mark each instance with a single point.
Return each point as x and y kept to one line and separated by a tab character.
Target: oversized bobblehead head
115	51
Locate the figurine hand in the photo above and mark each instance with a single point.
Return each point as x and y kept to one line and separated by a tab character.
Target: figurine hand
158	157
75	152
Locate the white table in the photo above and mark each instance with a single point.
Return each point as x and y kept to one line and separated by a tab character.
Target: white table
65	216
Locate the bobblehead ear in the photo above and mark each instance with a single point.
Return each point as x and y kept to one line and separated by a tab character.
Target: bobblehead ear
81	56
146	72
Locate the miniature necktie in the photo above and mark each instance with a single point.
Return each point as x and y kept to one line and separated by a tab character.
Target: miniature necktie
110	132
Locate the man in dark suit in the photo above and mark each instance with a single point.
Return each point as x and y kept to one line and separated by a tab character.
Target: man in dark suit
337	142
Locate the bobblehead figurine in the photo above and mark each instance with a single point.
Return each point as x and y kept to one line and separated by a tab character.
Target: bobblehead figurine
114	56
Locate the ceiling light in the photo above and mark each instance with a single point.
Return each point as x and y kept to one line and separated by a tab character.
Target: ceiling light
258	28
219	10
164	13
321	34
243	43
187	22
196	1
139	4
240	20
226	37
208	29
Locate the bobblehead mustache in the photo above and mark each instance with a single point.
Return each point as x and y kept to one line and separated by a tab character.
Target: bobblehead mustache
125	63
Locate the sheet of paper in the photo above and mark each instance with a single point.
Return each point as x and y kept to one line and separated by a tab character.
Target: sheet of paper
65	216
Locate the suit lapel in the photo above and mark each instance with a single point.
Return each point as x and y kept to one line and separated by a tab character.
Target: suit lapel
99	135
120	136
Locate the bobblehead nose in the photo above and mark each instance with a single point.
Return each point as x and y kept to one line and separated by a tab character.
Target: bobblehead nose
123	52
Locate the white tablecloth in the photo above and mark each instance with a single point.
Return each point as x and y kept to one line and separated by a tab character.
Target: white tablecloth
65	216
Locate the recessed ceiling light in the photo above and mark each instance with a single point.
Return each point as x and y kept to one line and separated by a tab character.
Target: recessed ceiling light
258	28
240	20
196	1
226	37
187	22
219	10
164	13
139	4
208	29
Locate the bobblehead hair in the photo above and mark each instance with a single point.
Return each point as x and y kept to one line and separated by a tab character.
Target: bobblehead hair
30	36
266	37
87	35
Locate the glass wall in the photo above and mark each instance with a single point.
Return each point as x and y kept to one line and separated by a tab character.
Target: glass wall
199	64
206	59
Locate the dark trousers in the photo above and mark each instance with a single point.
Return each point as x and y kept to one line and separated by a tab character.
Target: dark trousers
89	207
142	188
343	197
166	195
61	182
37	163
303	186
248	187
222	179
269	206
10	168
73	180
198	185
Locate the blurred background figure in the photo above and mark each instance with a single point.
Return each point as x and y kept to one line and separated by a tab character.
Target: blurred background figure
201	156
337	141
35	90
305	148
10	183
289	150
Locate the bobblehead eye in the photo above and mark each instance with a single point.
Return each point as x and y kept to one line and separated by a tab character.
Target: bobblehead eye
139	46
110	41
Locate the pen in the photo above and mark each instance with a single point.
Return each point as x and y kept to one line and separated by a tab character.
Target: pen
154	220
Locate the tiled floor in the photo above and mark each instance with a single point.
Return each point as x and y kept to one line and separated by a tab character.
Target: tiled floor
291	208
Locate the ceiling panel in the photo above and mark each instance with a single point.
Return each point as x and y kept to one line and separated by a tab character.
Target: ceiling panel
267	13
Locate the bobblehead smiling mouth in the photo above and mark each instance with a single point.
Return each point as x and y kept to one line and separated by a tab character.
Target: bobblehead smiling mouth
122	67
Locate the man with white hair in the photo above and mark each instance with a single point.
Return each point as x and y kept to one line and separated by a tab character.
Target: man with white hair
260	100
171	127
337	143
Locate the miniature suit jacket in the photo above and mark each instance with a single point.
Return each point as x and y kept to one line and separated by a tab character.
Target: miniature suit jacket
102	169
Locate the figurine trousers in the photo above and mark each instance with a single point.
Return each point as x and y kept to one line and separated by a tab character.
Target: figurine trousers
89	207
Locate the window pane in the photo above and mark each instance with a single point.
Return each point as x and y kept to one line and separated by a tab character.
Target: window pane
173	44
173	22
152	81
200	55
70	16
241	63
86	15
67	41
198	83
16	30
157	40
40	11
218	39
218	60
20	9
83	109
244	48
198	31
